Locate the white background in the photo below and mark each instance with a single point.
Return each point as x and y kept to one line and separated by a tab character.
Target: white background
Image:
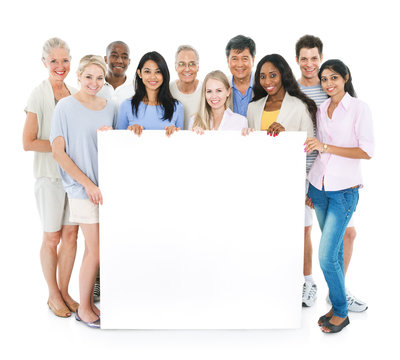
361	33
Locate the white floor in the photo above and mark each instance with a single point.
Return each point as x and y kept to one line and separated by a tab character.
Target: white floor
30	329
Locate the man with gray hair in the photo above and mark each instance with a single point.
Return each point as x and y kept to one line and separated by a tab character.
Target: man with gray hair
187	88
117	86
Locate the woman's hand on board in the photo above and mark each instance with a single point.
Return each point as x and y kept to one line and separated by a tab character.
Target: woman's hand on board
274	129
198	130
313	144
137	129
169	130
246	131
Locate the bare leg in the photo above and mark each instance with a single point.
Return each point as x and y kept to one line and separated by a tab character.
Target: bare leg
48	259
348	242
87	275
66	259
307	267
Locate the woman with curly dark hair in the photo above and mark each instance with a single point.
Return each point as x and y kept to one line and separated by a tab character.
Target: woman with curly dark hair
278	103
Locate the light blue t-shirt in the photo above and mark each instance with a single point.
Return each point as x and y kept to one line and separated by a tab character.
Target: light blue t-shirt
148	116
78	126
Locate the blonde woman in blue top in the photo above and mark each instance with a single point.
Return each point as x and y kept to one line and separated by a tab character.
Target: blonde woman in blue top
74	141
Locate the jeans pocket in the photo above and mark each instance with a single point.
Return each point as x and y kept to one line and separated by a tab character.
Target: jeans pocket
349	200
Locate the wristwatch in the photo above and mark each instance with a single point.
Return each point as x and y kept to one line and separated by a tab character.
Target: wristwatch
325	148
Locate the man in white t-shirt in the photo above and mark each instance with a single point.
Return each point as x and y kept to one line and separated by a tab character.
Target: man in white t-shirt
117	86
309	58
187	88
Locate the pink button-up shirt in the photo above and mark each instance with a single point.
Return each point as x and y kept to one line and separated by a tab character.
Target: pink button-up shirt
350	126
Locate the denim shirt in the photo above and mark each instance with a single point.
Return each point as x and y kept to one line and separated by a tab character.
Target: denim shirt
241	102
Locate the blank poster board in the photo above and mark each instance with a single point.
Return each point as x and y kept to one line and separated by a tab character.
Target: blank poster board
201	231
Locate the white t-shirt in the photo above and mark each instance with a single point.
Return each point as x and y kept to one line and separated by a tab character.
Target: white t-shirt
118	95
190	102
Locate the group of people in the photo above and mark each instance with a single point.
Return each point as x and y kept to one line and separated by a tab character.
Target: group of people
62	123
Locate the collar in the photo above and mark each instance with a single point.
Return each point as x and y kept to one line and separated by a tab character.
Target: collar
250	85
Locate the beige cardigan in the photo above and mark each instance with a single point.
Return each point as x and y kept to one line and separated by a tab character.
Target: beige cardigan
293	115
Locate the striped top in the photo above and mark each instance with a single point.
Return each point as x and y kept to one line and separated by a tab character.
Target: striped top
319	96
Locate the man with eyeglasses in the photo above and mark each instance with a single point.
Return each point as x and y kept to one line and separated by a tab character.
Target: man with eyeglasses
117	86
240	52
187	88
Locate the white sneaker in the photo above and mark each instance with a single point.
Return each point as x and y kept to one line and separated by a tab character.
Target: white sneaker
354	304
309	294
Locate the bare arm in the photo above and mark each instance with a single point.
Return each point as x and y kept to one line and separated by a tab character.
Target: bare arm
73	170
29	136
352	153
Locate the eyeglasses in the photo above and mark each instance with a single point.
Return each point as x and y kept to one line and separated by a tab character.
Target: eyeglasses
190	64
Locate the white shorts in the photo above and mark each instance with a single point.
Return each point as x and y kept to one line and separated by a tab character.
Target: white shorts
83	211
52	204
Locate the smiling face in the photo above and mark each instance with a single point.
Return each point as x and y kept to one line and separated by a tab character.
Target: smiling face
271	80
309	61
216	94
91	79
333	83
58	64
187	66
240	63
117	60
151	75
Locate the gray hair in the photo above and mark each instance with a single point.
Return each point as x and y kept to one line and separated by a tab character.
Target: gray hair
188	48
54	43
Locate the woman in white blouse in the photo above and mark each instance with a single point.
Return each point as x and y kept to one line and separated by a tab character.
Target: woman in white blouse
214	112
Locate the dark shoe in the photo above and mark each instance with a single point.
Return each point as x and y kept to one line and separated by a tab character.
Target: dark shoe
94	324
336	328
323	319
96	292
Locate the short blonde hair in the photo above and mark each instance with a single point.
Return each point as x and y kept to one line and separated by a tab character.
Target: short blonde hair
89	60
203	116
53	43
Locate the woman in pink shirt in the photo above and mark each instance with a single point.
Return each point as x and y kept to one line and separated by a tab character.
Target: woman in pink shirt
344	136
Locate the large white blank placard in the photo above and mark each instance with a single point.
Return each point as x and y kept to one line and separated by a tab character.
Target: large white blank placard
201	231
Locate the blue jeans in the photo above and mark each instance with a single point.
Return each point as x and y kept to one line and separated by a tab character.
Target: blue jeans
334	210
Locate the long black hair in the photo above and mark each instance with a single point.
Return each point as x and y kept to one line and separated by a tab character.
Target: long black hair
289	83
164	96
339	67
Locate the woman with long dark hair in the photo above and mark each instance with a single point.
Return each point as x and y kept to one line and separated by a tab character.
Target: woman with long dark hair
152	107
278	103
344	136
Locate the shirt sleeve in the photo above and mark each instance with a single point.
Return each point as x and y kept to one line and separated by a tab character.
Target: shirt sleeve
123	120
57	128
179	115
33	103
364	129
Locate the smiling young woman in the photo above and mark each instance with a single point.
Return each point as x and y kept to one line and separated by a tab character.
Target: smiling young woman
344	136
278	103
74	143
152	107
214	112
